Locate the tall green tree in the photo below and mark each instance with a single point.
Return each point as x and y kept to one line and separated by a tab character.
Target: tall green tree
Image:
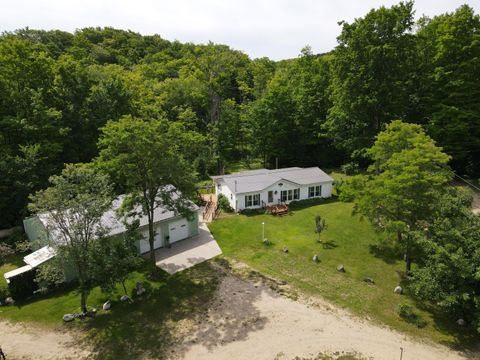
75	203
449	273
148	159
449	47
371	83
402	190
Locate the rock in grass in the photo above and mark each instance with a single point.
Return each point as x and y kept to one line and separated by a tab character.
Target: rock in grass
398	290
124	298
341	268
68	317
461	322
285	249
266	242
107	305
9	301
315	258
369	280
140	289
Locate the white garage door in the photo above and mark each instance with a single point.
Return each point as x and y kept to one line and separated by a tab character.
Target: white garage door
145	246
178	230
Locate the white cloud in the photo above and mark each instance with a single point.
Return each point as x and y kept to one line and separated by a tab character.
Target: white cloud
274	28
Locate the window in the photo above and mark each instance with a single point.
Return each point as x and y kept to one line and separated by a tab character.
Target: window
296	194
314	191
289	195
252	200
270	196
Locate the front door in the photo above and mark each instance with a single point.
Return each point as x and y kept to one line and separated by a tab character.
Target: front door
270	196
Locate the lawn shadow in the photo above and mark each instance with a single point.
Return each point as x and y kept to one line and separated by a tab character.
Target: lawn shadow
387	253
145	327
329	244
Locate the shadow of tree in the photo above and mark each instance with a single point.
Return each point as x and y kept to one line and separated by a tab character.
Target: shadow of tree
329	244
389	254
146	326
230	317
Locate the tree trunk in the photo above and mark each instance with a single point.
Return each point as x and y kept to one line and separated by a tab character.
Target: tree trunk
83	301
151	240
408	263
220	167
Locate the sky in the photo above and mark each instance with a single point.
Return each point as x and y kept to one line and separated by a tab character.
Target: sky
278	29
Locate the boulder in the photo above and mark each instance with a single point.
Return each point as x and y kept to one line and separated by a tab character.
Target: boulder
315	258
124	298
369	280
140	290
398	290
285	249
461	322
9	301
341	268
68	317
107	305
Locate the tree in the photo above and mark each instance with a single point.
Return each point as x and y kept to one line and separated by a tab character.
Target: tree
448	45
75	203
115	258
401	192
449	275
371	71
319	226
148	160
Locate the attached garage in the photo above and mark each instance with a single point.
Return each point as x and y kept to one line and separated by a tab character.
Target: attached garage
178	230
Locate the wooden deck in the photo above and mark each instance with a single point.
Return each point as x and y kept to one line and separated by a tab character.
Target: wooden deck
277	210
211	205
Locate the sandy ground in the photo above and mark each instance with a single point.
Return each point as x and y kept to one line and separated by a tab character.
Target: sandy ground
248	320
22	342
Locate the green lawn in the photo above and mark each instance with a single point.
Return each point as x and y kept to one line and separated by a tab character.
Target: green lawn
144	327
347	240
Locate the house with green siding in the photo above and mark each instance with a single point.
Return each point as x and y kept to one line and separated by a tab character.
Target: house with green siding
169	226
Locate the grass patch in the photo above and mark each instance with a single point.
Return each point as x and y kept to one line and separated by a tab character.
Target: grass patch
347	240
11	263
145	327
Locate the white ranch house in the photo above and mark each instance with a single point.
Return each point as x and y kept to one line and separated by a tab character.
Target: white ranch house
255	189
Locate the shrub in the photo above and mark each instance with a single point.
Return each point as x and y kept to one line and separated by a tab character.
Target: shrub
406	312
300	204
5	251
224	204
251	212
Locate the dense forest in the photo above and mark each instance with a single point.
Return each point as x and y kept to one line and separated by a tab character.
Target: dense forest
57	90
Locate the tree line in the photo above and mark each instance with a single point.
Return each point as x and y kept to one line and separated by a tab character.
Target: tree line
58	90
